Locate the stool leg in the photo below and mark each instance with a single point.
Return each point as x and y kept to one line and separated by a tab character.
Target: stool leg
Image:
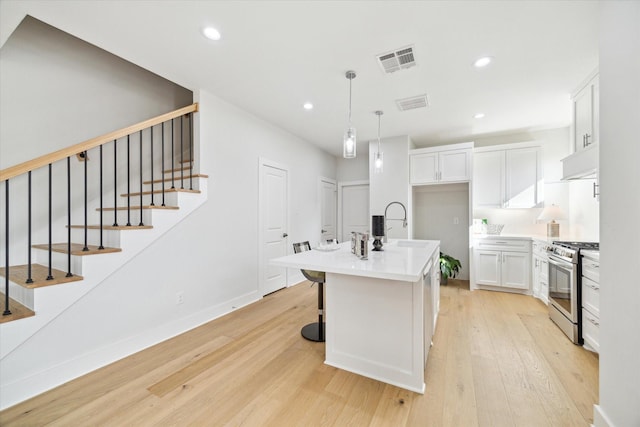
321	310
315	331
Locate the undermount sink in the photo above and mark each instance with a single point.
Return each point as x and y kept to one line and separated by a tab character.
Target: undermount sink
411	244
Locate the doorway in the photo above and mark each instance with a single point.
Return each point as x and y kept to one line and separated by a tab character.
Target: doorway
273	224
353	208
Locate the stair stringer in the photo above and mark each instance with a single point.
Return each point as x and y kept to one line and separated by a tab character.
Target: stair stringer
52	301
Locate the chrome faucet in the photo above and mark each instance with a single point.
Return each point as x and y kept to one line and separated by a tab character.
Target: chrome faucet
404	220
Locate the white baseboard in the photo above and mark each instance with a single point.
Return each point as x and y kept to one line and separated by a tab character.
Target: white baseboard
32	385
600	419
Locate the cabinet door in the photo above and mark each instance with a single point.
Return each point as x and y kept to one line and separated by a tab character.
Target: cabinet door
583	117
522	177
488	179
515	269
488	267
424	168
535	277
454	165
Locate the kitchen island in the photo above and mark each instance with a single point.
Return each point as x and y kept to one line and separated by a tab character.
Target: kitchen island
380	312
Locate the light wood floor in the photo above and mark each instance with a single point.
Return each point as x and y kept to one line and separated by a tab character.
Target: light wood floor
497	360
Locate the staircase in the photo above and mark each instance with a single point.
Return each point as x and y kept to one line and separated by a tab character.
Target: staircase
121	192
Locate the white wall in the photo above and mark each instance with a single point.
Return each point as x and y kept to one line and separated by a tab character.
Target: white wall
392	185
353	169
434	210
211	257
620	209
99	92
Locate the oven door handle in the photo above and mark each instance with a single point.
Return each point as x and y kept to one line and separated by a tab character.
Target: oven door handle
564	264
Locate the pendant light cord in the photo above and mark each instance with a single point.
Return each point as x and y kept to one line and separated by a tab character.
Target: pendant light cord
379	133
350	79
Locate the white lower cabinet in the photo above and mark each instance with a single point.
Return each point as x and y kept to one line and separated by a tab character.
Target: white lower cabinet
540	271
591	304
503	263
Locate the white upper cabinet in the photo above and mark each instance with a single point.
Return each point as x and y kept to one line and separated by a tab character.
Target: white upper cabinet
439	165
488	179
586	114
509	178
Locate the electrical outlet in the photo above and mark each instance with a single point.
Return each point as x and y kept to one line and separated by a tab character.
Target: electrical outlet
179	298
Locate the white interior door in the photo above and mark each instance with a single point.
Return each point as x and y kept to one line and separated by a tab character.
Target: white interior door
328	201
354	209
273	225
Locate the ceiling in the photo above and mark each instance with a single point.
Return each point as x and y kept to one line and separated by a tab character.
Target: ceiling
276	55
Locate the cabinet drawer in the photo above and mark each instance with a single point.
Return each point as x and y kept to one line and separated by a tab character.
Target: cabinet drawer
591	330
503	245
591	296
591	269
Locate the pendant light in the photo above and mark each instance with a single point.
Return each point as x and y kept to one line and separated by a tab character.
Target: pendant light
378	163
349	141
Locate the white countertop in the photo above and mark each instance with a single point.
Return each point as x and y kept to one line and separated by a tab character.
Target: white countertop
591	254
403	260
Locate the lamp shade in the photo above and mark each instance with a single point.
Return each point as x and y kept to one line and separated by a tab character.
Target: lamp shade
550	213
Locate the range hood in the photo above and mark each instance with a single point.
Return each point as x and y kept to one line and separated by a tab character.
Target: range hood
582	164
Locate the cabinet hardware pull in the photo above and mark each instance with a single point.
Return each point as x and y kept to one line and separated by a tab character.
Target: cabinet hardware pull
583	143
586	139
594	287
593	321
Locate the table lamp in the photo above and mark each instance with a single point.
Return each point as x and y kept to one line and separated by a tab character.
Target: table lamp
551	213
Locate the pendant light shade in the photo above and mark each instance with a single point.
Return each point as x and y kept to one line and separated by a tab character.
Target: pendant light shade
378	161
349	140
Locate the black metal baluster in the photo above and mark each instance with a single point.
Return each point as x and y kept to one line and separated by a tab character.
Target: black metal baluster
172	158
86	226
29	278
141	223
115	183
101	222
50	276
181	153
162	165
190	151
69	214
128	182
152	204
6	311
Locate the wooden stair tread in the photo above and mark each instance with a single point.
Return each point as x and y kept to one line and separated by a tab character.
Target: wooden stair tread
186	161
76	249
115	227
18	311
178	169
39	273
168	190
124	208
178	178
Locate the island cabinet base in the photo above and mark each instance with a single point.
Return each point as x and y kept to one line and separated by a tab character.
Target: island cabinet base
375	328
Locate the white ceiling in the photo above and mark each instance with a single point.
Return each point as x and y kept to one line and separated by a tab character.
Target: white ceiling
276	55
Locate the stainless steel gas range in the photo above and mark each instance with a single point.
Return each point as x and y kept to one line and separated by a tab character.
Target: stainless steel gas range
565	272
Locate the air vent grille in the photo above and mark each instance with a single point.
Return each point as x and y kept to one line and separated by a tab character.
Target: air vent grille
412	103
397	60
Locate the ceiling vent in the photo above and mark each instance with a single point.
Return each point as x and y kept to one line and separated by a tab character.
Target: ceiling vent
412	103
397	59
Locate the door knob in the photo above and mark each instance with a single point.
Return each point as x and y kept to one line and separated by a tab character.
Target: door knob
323	231
285	235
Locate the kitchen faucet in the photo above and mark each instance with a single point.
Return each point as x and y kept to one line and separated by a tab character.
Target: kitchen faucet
404	220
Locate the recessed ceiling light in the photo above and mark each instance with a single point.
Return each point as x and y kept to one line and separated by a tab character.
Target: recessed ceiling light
211	33
308	106
482	62
478	116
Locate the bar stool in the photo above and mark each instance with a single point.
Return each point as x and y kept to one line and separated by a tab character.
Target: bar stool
313	331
